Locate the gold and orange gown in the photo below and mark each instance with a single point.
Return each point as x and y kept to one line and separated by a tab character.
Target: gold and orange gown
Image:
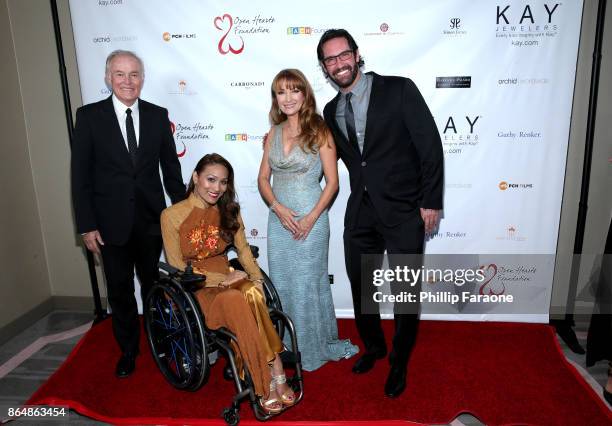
191	232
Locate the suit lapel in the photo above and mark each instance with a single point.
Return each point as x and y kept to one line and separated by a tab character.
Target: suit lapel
118	144
373	107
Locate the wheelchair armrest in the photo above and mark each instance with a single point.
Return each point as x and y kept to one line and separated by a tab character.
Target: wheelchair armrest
187	277
169	269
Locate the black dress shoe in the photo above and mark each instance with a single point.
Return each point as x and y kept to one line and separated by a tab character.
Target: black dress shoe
396	381
366	362
125	365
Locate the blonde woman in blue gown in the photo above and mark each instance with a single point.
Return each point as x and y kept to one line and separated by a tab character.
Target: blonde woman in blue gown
298	152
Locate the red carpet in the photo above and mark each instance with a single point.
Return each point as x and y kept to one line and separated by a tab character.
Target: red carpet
502	373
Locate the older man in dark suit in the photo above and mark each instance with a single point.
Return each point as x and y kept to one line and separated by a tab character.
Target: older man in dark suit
119	145
388	140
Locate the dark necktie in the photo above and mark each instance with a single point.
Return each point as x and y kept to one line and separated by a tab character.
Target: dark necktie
131	135
349	119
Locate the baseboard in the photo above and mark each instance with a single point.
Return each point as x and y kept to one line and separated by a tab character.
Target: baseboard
74	303
53	303
24	321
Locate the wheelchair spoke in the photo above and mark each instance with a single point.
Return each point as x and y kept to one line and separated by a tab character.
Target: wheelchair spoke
160	314
175	360
182	348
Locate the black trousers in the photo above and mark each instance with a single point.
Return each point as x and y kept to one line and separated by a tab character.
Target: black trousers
142	252
370	237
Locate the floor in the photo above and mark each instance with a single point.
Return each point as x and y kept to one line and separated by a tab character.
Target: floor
28	359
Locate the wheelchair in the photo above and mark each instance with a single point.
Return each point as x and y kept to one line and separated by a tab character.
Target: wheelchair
181	343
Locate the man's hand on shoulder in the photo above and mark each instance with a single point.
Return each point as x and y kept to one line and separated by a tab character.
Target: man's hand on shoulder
93	241
430	218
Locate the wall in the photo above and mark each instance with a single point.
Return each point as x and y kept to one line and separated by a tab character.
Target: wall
600	199
23	260
40	253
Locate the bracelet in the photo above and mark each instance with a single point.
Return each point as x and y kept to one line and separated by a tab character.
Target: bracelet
275	203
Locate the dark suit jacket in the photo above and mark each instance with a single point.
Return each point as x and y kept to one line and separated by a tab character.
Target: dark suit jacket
402	162
109	193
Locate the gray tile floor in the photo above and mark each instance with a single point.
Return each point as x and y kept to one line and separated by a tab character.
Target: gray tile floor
17	386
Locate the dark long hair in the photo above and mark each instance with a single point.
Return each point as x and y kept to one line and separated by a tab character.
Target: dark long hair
227	204
313	130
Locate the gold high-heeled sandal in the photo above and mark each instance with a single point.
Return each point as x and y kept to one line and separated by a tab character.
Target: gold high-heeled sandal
271	405
288	399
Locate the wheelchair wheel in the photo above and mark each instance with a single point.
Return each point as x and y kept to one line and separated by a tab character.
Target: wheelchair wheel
231	416
175	332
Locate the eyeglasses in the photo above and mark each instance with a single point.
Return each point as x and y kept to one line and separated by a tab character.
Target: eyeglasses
343	56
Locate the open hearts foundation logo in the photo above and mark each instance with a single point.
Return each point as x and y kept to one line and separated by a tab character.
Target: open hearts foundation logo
228	45
173	130
490	271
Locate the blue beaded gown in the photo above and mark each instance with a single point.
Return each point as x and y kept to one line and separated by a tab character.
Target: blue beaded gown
298	269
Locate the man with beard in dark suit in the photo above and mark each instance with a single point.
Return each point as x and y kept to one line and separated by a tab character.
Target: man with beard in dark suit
119	145
388	140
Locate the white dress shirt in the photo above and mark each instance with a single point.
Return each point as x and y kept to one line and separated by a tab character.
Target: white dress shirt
120	109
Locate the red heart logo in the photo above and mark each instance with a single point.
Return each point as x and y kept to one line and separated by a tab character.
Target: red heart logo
223	50
221	19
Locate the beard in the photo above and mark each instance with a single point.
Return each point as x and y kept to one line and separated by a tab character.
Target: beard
347	80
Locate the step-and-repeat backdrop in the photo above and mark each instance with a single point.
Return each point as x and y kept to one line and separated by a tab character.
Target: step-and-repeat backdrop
497	75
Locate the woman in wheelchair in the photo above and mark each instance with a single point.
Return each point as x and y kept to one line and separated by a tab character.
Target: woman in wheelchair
198	230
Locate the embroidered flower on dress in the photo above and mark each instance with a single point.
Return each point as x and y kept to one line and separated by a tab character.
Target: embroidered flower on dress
195	236
211	242
204	237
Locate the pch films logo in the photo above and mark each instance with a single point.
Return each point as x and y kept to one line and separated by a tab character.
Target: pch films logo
243	137
454	28
108	38
460	133
235	29
514	186
383	30
168	36
528	25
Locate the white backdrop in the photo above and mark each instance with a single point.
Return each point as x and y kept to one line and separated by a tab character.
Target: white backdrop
505	131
